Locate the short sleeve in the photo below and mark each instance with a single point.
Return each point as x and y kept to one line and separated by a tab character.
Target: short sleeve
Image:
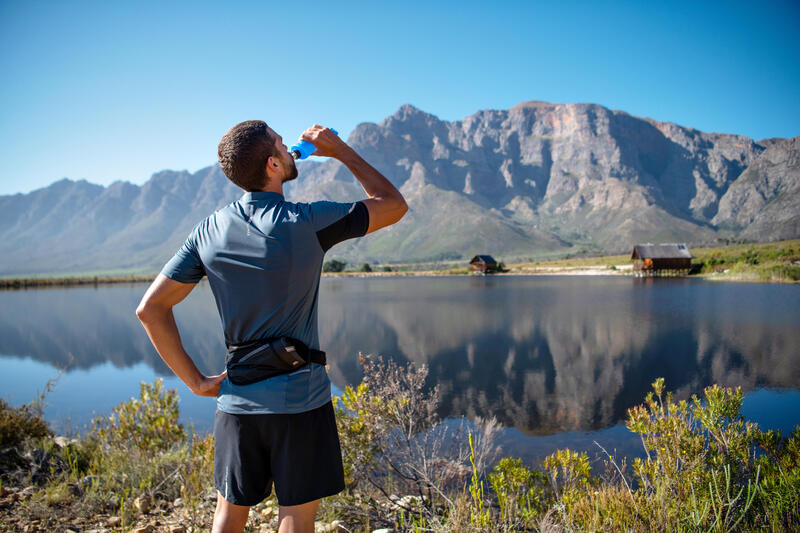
185	266
354	224
323	214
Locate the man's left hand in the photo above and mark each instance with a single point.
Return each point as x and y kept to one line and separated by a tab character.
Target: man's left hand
327	143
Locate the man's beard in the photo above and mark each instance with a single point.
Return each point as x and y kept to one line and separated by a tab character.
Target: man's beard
292	173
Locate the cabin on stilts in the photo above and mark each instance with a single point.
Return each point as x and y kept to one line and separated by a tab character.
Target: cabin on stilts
483	264
661	260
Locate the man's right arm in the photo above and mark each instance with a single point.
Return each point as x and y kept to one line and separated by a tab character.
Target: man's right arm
155	314
385	204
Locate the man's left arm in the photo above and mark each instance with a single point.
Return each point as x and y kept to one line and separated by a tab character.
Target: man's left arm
385	205
155	314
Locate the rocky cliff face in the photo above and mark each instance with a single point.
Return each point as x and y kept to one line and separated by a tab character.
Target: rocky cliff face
545	175
762	204
535	179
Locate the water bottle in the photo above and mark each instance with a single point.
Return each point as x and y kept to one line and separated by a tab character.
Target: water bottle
303	149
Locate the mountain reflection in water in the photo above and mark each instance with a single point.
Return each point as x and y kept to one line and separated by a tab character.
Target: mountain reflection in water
542	354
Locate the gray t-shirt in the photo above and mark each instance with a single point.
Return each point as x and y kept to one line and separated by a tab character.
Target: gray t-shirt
263	258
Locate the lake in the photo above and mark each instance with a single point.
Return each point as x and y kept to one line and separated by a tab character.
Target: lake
556	359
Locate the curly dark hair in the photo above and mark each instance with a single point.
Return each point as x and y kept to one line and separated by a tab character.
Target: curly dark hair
243	153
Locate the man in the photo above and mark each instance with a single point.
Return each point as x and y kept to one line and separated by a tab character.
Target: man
263	258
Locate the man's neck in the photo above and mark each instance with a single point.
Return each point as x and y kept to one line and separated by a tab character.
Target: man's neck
273	185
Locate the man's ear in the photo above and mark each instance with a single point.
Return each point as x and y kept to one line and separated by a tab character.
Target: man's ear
273	165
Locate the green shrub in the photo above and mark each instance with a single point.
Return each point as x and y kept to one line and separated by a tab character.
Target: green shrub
705	468
520	491
18	424
780	273
394	443
139	448
480	515
333	266
358	431
750	257
702	469
780	482
569	473
149	423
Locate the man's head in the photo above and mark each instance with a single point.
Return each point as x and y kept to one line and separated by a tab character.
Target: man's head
251	153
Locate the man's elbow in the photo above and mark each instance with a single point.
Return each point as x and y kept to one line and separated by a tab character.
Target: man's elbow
143	311
148	311
401	207
386	211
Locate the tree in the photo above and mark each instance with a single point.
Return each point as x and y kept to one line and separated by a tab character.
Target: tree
366	268
333	266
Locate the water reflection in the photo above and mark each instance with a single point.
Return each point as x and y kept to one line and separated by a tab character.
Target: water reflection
555	354
542	354
86	326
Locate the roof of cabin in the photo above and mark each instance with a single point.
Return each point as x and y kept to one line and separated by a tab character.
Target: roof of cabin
661	251
483	259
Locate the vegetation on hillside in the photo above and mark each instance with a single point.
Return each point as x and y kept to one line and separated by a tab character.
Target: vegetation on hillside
333	265
777	261
704	468
774	261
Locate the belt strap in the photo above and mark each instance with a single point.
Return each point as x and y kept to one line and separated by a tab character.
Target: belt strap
309	354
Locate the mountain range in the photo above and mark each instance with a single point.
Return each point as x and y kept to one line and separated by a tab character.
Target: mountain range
536	180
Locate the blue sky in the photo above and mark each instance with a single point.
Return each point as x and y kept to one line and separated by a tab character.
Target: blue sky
119	90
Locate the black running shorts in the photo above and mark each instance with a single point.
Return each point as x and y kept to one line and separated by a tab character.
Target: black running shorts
300	453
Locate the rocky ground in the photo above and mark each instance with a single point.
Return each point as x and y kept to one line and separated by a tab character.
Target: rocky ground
21	511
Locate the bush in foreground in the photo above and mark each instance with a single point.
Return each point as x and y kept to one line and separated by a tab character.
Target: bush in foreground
17	424
135	461
704	468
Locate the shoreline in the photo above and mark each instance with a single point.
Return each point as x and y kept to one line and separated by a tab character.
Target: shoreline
620	271
776	262
34	283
